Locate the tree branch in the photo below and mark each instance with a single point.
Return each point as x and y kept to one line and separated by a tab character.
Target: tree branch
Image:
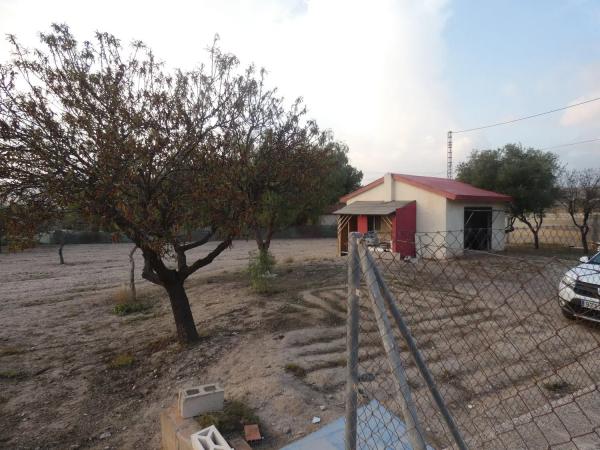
149	274
207	259
195	244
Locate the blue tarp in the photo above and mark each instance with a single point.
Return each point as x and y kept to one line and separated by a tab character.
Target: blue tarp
377	428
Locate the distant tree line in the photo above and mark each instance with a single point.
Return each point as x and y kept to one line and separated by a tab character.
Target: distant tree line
110	134
537	182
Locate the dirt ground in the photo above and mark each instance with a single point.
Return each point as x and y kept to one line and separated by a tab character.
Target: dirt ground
514	371
61	388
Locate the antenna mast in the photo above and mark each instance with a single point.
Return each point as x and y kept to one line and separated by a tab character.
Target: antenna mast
449	157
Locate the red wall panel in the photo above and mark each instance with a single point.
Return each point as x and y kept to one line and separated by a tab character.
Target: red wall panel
404	227
363	225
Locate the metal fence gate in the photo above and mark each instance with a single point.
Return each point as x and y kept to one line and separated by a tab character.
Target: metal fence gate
471	349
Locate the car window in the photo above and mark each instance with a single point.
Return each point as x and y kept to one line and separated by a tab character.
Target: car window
595	259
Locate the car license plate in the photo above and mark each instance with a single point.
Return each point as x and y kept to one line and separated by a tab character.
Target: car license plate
590	305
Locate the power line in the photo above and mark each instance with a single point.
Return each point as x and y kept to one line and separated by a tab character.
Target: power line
528	117
571	143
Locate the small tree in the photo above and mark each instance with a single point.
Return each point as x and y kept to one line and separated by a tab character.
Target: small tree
148	152
528	175
581	197
285	159
343	178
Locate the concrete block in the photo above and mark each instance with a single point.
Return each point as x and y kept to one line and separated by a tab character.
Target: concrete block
200	399
209	439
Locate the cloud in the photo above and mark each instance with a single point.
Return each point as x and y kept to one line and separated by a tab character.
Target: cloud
370	71
509	89
584	115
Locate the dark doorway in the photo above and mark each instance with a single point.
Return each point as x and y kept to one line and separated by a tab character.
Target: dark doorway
478	228
373	223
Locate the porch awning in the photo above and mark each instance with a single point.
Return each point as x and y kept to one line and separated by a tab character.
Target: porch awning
371	208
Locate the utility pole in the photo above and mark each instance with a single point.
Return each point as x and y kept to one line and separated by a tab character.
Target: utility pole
449	157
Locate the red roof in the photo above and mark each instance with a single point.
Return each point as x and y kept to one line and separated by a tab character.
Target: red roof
451	189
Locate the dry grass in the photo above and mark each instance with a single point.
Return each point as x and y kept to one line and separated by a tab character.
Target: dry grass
121	361
11	374
295	369
121	296
8	351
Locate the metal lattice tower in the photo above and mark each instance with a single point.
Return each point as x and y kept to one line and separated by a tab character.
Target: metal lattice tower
449	157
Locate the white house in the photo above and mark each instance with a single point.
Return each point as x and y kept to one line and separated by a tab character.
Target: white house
424	216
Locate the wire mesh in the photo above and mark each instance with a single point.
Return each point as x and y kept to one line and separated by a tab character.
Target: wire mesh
508	332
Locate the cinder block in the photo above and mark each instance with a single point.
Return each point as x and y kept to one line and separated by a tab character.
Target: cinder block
209	439
201	399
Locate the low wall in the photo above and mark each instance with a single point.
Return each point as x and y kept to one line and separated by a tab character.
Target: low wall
175	431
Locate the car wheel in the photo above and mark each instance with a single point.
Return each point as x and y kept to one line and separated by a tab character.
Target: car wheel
568	314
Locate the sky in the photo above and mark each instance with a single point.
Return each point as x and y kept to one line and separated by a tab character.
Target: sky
389	78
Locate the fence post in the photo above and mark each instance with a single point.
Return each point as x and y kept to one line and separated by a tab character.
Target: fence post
419	361
352	341
409	410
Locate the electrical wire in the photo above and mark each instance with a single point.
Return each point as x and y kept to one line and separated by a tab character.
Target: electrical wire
527	117
571	143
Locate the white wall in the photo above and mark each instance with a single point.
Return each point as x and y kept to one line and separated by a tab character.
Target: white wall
455	219
431	208
376	194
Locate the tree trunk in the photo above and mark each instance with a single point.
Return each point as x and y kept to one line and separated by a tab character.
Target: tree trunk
60	252
260	242
132	274
584	231
184	321
269	236
534	230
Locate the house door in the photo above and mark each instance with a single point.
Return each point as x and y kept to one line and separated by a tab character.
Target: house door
478	228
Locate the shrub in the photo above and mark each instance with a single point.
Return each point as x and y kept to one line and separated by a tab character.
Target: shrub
234	416
260	269
125	304
123	309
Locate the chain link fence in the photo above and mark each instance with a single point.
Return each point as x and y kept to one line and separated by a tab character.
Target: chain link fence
476	340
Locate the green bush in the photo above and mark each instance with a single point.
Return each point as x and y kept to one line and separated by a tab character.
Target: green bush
122	309
260	269
234	416
126	303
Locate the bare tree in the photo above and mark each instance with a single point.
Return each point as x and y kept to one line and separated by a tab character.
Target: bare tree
581	197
